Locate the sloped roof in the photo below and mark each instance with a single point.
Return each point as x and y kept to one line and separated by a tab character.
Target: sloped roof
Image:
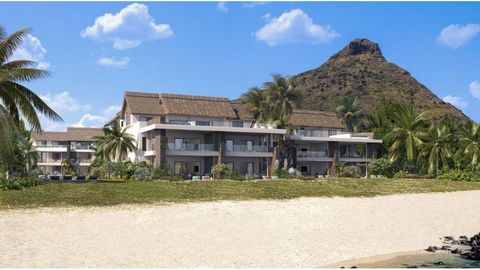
144	103
72	134
197	105
309	118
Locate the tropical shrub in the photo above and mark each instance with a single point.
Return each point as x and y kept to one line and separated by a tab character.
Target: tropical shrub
160	171
380	166
142	173
223	171
400	174
351	171
18	183
460	175
281	172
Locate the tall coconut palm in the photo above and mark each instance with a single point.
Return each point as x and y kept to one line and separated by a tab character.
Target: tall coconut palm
348	111
407	133
17	101
281	99
469	143
116	142
437	147
255	99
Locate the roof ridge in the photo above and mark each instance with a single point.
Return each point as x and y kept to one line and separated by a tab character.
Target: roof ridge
193	97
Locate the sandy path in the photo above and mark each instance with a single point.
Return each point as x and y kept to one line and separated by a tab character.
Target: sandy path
307	232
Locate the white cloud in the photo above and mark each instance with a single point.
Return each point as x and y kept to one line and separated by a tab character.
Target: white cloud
455	35
64	102
112	62
474	88
222	6
31	49
267	17
110	111
294	26
91	120
456	101
127	28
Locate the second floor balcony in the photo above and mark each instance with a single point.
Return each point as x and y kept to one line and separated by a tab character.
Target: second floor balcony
190	147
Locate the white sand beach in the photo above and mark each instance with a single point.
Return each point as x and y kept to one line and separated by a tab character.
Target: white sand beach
306	232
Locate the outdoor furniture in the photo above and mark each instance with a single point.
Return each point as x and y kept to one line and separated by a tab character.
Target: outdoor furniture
196	177
206	177
54	178
265	177
81	178
275	177
92	178
67	178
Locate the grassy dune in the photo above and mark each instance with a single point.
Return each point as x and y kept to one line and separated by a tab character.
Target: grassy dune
104	193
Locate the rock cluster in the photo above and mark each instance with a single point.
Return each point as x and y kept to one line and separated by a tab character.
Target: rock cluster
469	248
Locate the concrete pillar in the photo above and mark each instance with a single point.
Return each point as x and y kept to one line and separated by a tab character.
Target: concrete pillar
161	146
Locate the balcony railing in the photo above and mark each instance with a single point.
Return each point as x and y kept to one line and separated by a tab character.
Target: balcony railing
83	147
245	148
352	155
312	154
190	147
317	133
51	146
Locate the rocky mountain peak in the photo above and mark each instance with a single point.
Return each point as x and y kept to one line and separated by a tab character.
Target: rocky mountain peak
361	46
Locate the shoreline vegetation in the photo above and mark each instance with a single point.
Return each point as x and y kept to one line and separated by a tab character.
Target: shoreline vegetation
111	192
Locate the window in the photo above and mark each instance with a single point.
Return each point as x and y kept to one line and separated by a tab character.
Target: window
230	164
196	168
332	132
246	168
179	167
250	168
304	169
202	123
178	122
154	144
178	144
144	143
229	145
144	118
237	124
40	143
56	156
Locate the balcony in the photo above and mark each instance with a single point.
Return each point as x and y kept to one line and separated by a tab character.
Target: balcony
191	149
354	157
248	151
313	156
317	133
51	148
83	147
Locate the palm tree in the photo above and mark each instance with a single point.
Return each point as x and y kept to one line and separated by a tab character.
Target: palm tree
348	111
116	142
469	143
407	133
436	147
28	152
255	99
281	99
17	101
67	166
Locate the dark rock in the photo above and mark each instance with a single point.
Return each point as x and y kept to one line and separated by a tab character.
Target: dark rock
436	248
454	251
430	249
446	247
449	238
438	263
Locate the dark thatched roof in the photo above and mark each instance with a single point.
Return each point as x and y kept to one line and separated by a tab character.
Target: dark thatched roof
72	134
197	106
308	118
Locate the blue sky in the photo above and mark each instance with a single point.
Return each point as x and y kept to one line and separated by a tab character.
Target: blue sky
222	49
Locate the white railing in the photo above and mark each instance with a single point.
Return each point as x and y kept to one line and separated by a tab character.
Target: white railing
312	154
246	148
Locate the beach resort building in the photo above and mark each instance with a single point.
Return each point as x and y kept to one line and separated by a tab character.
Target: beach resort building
76	144
192	133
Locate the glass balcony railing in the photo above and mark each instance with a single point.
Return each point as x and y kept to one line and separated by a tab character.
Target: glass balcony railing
312	154
352	155
51	146
246	148
317	133
190	147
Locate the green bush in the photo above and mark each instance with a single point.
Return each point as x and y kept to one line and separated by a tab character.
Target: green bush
380	166
349	171
223	171
160	171
460	175
142	173
400	174
281	172
18	183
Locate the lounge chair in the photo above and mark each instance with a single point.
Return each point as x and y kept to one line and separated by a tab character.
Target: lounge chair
196	177
80	178
67	178
92	178
54	177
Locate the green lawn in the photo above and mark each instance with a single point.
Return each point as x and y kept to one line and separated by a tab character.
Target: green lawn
135	192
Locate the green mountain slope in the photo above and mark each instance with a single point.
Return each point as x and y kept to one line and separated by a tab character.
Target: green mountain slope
360	70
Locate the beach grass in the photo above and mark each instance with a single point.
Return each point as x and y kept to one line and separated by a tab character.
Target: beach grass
107	193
